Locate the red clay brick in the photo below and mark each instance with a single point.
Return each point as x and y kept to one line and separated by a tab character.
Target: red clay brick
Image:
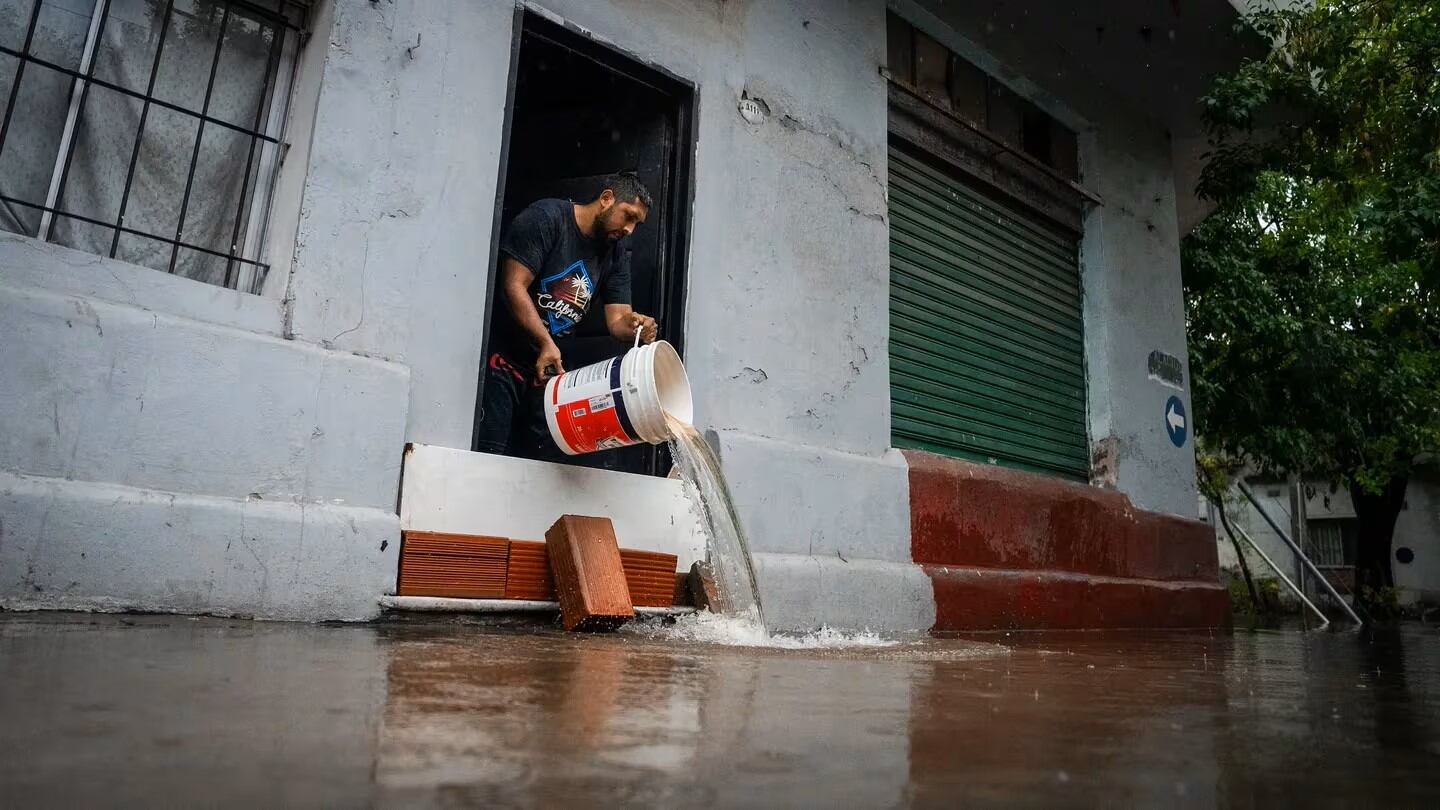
650	575
589	576
528	576
454	565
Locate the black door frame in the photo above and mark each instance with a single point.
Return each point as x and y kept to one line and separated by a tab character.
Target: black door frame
677	194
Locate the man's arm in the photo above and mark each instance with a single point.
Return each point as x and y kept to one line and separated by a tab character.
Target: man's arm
622	321
515	281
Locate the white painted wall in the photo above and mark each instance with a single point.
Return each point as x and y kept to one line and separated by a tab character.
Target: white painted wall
1130	259
394	231
1243	516
261	475
1418	528
789	275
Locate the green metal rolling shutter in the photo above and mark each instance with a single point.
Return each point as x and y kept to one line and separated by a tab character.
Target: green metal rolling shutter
986	346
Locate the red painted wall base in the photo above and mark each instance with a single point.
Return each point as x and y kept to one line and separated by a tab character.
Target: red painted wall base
990	599
1012	550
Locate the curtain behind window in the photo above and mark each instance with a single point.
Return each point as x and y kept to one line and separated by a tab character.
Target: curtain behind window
109	122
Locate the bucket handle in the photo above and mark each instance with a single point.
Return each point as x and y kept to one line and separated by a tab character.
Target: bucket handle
637	337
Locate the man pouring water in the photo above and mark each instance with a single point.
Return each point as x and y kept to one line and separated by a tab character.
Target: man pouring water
555	257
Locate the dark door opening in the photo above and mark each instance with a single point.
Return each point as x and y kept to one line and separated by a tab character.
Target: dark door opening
579	111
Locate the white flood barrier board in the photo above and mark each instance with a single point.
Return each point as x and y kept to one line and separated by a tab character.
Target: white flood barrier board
448	490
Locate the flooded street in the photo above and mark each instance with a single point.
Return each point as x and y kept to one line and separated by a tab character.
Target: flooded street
131	710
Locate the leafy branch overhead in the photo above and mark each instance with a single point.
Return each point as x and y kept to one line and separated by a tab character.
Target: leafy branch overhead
1312	288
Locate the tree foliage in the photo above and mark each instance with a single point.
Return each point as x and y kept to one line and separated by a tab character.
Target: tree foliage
1312	287
1315	343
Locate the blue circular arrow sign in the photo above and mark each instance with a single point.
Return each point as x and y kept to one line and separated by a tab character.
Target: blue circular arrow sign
1175	422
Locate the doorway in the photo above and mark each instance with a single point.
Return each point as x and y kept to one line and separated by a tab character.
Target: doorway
579	111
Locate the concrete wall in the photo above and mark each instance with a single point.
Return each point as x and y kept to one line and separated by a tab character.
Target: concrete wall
1418	528
394	232
1276	500
789	234
164	448
789	275
166	445
1130	253
173	446
387	279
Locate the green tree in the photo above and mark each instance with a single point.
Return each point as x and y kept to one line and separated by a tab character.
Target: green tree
1311	288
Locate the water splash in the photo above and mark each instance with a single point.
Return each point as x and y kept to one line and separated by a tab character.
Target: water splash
744	631
729	554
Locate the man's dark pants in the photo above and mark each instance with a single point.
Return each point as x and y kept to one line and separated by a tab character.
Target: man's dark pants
512	420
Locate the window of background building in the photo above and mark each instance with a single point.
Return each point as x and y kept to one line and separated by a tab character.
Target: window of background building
147	130
1333	541
921	63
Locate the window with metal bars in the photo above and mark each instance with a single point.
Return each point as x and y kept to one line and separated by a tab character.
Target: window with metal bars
147	130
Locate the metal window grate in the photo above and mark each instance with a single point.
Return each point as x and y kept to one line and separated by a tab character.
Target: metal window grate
169	141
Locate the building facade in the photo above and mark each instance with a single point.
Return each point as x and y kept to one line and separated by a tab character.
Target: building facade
922	261
1321	517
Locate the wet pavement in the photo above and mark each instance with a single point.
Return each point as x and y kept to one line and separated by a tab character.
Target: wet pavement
172	711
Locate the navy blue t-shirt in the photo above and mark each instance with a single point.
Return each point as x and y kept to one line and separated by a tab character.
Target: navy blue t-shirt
569	268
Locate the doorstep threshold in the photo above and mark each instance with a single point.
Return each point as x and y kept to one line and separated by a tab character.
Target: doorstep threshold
445	604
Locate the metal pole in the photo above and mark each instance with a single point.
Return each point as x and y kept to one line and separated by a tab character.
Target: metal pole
1324	620
1305	561
1297	526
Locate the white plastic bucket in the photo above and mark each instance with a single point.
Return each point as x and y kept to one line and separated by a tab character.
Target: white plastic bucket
618	402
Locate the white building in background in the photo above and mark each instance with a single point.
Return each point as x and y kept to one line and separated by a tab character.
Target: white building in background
246	252
1323	518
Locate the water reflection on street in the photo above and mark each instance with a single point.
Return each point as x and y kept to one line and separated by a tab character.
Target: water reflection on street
147	709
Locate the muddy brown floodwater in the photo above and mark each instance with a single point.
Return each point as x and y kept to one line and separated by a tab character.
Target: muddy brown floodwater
171	711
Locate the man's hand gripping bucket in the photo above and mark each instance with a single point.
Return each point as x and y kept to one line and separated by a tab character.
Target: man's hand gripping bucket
619	402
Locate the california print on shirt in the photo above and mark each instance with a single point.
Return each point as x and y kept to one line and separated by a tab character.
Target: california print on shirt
564	297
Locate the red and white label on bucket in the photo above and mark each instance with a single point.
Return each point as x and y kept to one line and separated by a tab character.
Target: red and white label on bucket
589	409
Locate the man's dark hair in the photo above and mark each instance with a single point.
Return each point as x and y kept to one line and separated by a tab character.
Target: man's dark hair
628	188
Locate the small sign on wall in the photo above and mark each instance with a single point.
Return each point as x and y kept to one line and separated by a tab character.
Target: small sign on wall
1166	368
1176	423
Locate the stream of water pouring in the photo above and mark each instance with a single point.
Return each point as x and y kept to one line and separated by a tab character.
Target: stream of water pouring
729	554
